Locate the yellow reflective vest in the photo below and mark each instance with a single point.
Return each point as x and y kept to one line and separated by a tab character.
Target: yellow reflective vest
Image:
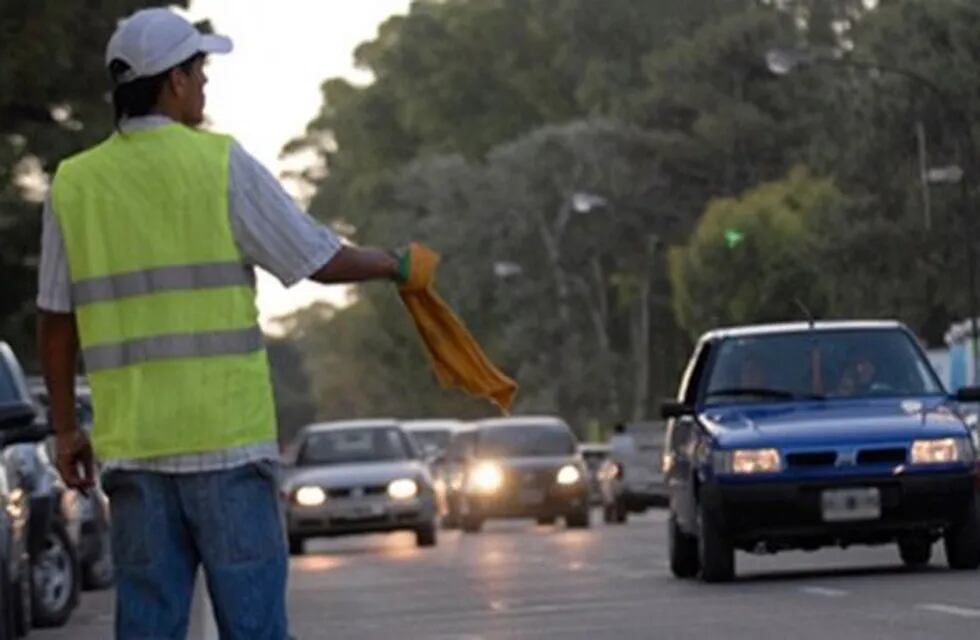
164	303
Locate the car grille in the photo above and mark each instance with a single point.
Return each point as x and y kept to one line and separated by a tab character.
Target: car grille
891	455
350	492
811	459
526	478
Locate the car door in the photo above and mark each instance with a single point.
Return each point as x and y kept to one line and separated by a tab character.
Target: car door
683	436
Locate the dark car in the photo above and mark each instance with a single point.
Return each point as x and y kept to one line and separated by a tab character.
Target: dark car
18	427
55	516
800	436
523	467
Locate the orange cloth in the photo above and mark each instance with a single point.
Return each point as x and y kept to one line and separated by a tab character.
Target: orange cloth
456	357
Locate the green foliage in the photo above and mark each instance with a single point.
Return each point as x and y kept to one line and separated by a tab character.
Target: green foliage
775	268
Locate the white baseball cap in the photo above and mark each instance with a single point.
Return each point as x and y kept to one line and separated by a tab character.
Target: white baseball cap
153	40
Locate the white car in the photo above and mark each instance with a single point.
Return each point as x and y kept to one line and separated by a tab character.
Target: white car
355	477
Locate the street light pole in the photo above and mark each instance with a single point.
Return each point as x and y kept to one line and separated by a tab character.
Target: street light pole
783	61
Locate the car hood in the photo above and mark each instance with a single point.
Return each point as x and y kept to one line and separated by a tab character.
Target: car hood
350	475
538	462
837	421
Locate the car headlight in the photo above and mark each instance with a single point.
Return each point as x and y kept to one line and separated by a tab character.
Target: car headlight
569	474
310	496
486	477
748	461
941	451
403	489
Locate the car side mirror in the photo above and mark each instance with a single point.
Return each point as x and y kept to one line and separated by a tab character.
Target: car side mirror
968	394
14	415
674	409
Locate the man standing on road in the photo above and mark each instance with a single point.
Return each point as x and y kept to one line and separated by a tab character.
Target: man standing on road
148	249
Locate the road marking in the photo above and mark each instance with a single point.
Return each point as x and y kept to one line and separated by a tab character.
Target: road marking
824	591
962	612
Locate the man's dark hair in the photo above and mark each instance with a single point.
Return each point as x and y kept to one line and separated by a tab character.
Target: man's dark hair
138	97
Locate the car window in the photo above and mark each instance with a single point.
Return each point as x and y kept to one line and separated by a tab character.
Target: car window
819	364
461	445
525	441
431	439
9	391
355	445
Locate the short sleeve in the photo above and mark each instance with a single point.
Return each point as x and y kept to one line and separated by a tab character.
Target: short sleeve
54	278
270	229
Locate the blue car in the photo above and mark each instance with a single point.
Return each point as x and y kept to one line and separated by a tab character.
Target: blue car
808	435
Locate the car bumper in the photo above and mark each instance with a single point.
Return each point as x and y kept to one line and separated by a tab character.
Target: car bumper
539	503
790	513
344	517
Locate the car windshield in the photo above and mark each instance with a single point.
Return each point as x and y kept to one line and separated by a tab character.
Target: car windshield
354	446
431	440
819	365
525	441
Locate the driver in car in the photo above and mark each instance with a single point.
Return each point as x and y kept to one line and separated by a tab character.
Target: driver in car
858	377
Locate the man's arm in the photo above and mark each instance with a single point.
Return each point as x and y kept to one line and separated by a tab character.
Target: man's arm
355	264
58	345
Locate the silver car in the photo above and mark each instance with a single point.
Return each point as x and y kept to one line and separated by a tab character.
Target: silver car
359	476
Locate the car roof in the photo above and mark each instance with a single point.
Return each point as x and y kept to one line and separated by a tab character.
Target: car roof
521	421
748	331
433	424
365	423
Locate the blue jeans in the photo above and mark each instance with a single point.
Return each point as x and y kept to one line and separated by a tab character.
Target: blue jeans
165	525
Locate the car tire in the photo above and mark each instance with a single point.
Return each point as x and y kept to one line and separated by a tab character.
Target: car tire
578	520
471	523
297	545
98	574
962	542
915	552
55	579
683	548
425	536
546	520
716	554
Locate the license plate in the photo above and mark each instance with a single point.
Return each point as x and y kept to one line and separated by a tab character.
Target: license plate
845	505
531	496
361	512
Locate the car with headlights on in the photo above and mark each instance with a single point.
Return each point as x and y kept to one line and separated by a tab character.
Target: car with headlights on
356	477
807	435
523	467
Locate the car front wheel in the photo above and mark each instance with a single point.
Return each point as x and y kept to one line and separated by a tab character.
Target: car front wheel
55	579
962	541
915	552
684	561
425	536
715	551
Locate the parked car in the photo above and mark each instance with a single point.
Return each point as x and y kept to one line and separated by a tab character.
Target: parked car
55	516
353	477
523	467
806	435
94	548
18	427
631	480
595	454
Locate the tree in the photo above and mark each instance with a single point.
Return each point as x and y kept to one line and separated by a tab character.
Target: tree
52	103
757	257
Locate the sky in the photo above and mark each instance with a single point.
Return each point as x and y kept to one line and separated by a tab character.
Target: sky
267	90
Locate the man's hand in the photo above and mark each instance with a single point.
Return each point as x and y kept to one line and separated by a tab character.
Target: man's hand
74	459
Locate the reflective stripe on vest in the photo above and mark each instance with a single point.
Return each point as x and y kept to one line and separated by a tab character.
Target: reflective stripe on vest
147	281
178	345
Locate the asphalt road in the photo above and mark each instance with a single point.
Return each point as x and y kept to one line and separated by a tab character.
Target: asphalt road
519	580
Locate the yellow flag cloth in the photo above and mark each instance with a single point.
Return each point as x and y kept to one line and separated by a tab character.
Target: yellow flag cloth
457	359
